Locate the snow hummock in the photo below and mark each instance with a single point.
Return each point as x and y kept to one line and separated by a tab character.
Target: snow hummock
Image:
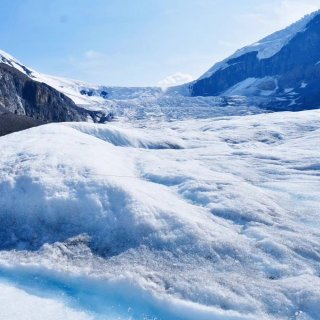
268	46
224	227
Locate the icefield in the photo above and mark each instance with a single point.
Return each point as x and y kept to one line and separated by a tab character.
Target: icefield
213	218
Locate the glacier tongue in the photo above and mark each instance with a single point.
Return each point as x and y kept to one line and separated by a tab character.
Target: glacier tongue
226	224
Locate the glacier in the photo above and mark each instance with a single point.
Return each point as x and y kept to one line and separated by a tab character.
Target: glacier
191	217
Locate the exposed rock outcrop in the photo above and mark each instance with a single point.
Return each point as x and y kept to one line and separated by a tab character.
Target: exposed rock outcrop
10	122
290	77
21	95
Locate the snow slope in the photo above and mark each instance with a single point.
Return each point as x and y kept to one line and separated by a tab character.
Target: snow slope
95	97
268	46
204	219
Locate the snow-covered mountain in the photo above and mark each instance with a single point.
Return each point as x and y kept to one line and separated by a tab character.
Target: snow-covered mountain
131	102
85	94
283	69
24	94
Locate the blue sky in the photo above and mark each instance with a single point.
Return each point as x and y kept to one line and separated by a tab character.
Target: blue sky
137	42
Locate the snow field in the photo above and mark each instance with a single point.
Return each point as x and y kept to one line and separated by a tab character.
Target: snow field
222	212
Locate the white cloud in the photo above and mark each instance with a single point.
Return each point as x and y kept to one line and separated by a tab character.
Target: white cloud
282	14
91	65
175	80
291	10
94	55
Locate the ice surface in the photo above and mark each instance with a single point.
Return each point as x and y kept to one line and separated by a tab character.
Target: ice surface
18	304
75	297
203	218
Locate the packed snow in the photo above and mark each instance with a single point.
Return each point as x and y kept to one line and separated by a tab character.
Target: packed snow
265	86
208	218
19	304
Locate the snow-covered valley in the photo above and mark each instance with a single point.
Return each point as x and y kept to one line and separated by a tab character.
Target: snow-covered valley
210	218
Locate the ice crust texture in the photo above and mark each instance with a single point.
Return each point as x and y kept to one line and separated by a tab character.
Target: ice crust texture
220	215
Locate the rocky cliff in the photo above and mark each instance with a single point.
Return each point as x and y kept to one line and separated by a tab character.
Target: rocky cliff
289	76
21	95
10	122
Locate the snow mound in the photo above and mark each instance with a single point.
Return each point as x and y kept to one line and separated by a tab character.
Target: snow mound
88	186
230	222
127	137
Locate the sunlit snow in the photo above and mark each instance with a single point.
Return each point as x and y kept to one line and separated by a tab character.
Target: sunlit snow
267	47
214	218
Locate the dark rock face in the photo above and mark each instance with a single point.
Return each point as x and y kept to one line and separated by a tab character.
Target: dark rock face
21	95
104	94
92	92
10	122
295	66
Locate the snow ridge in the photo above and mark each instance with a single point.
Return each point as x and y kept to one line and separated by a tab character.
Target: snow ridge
268	46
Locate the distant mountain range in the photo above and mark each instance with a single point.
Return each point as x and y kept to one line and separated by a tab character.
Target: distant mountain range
280	72
283	69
